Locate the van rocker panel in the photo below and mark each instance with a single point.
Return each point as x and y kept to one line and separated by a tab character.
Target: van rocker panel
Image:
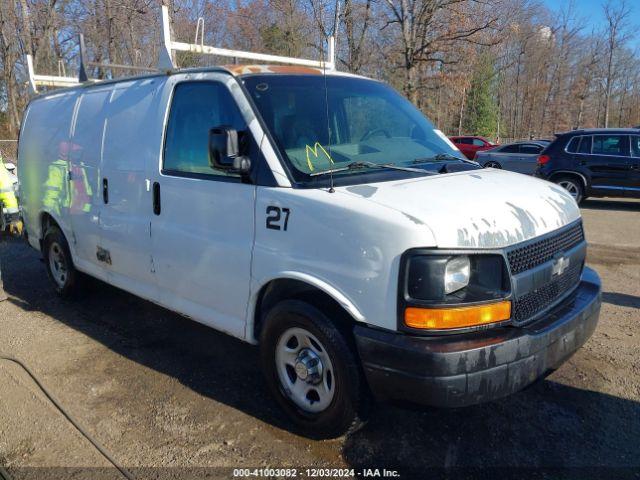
466	369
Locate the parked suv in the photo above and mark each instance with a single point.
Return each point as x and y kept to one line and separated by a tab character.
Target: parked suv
601	162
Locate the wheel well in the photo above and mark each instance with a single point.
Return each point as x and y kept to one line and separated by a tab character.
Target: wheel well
290	289
46	221
580	178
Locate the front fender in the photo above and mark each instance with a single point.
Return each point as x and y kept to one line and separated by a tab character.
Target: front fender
340	297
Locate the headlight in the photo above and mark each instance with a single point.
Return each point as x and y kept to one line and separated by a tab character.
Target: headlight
456	274
441	291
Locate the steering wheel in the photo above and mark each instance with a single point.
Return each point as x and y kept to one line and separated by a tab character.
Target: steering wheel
374	132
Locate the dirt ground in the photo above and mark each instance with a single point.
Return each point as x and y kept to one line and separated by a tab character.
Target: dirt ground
168	397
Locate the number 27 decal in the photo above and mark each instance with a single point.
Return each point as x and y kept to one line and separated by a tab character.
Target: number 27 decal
274	218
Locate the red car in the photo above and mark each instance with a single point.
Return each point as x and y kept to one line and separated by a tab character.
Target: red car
471	145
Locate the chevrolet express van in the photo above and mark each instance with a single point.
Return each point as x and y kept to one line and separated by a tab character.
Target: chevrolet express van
319	215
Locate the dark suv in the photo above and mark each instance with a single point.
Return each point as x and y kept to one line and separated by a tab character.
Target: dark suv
601	162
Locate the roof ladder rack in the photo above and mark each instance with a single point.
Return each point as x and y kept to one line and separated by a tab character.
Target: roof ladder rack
47	80
166	60
61	80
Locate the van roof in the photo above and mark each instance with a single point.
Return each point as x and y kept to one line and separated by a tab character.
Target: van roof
235	70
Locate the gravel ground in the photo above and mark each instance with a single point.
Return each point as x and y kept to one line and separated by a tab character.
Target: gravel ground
166	396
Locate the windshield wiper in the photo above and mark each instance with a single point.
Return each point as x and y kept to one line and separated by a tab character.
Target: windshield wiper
444	156
361	165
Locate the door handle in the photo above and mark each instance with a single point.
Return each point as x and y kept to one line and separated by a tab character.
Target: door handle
105	190
157	208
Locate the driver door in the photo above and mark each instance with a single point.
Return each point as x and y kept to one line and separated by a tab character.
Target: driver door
203	219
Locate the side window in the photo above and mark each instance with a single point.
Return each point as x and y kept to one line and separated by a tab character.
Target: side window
572	147
530	149
478	143
465	141
196	108
510	149
608	145
585	144
635	146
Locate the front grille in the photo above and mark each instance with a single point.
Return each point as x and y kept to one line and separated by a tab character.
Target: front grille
541	251
534	302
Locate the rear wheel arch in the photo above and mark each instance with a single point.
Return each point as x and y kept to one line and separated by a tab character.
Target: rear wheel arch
572	182
568	173
47	221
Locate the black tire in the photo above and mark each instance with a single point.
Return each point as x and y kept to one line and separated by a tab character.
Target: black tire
573	185
350	401
55	250
493	164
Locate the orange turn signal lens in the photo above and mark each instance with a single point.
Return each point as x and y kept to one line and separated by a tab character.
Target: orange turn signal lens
457	317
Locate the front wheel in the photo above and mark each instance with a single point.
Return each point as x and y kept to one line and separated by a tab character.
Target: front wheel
312	370
492	164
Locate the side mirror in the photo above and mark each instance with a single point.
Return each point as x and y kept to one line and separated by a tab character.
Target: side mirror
224	151
10	166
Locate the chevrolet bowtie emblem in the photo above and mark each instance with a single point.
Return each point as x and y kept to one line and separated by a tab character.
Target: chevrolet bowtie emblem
560	264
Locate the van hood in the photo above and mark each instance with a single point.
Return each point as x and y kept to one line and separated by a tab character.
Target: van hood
485	208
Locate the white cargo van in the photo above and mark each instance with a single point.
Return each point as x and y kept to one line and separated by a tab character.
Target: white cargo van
319	215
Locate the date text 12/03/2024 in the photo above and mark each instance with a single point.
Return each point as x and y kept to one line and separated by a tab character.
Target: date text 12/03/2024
315	473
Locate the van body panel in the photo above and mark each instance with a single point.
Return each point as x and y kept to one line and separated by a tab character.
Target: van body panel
337	239
131	143
201	245
84	151
43	172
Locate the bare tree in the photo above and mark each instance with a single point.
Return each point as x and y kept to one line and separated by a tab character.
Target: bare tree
617	15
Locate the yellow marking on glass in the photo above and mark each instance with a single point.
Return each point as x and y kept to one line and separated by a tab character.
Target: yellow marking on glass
314	152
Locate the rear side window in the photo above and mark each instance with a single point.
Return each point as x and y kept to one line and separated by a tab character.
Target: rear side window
608	145
530	149
510	149
477	142
572	147
585	144
635	146
196	108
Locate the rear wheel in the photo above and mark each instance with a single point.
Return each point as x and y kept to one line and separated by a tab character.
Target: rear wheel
573	186
58	262
312	370
492	164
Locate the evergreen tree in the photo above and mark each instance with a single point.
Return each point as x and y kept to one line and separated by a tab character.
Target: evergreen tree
481	116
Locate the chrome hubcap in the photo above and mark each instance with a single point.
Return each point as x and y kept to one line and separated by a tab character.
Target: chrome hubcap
305	370
569	187
308	366
58	264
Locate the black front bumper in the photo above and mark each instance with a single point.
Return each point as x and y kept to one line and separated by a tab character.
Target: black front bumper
465	369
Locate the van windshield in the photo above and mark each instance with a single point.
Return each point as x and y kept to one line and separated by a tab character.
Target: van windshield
354	122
